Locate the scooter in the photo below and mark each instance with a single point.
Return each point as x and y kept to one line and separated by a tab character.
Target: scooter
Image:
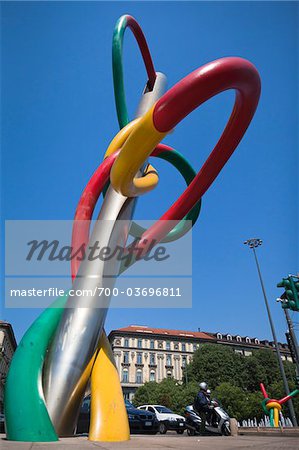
219	422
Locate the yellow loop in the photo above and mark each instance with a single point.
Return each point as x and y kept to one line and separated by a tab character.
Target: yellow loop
276	408
276	405
135	150
150	178
121	137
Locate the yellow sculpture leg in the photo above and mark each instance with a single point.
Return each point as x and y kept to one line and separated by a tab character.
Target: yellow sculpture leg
276	417
108	419
276	408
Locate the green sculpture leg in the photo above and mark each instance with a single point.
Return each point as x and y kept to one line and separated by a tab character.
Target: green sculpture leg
272	417
26	414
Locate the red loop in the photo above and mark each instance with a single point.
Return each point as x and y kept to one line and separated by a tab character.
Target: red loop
183	98
140	38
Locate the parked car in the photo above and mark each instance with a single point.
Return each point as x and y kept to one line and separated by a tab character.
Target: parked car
139	421
168	420
2	427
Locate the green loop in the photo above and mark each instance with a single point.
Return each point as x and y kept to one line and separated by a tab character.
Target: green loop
272	424
118	75
264	402
26	415
174	157
188	173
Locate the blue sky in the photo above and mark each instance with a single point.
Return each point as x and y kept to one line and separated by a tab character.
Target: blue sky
59	116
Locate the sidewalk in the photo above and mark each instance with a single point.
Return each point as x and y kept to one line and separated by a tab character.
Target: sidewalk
161	442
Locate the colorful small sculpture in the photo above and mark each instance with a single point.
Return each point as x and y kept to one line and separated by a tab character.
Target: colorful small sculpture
272	407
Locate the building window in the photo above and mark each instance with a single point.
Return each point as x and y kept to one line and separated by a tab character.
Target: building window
248	340
256	341
139	376
239	339
152	345
240	352
139	358
126	343
183	347
167	345
125	377
169	374
139	343
228	337
152	375
152	358
219	336
194	347
184	361
126	357
168	360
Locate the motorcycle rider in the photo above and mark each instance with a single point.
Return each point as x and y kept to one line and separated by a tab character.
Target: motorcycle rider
202	405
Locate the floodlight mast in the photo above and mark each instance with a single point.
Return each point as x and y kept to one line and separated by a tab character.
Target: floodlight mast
253	243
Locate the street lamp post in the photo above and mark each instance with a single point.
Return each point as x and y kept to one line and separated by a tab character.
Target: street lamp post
253	243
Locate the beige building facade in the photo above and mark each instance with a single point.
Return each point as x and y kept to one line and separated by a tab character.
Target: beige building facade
145	354
8	346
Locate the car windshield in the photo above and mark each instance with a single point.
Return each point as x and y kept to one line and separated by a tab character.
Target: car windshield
129	405
163	410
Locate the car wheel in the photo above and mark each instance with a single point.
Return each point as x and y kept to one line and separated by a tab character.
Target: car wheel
162	428
190	432
180	431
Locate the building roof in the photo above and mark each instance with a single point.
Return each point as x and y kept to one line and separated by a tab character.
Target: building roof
165	332
204	335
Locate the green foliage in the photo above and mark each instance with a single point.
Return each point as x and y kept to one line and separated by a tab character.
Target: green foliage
146	394
233	378
261	367
216	364
169	393
239	403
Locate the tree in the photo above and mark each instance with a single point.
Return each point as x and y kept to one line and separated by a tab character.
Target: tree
261	367
238	403
146	394
233	400
233	378
169	393
216	364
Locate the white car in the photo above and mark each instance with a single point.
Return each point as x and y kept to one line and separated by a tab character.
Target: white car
168	420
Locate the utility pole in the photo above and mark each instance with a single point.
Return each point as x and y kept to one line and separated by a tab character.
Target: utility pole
253	243
293	337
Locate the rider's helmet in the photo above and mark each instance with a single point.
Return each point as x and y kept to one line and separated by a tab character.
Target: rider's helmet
203	386
208	392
